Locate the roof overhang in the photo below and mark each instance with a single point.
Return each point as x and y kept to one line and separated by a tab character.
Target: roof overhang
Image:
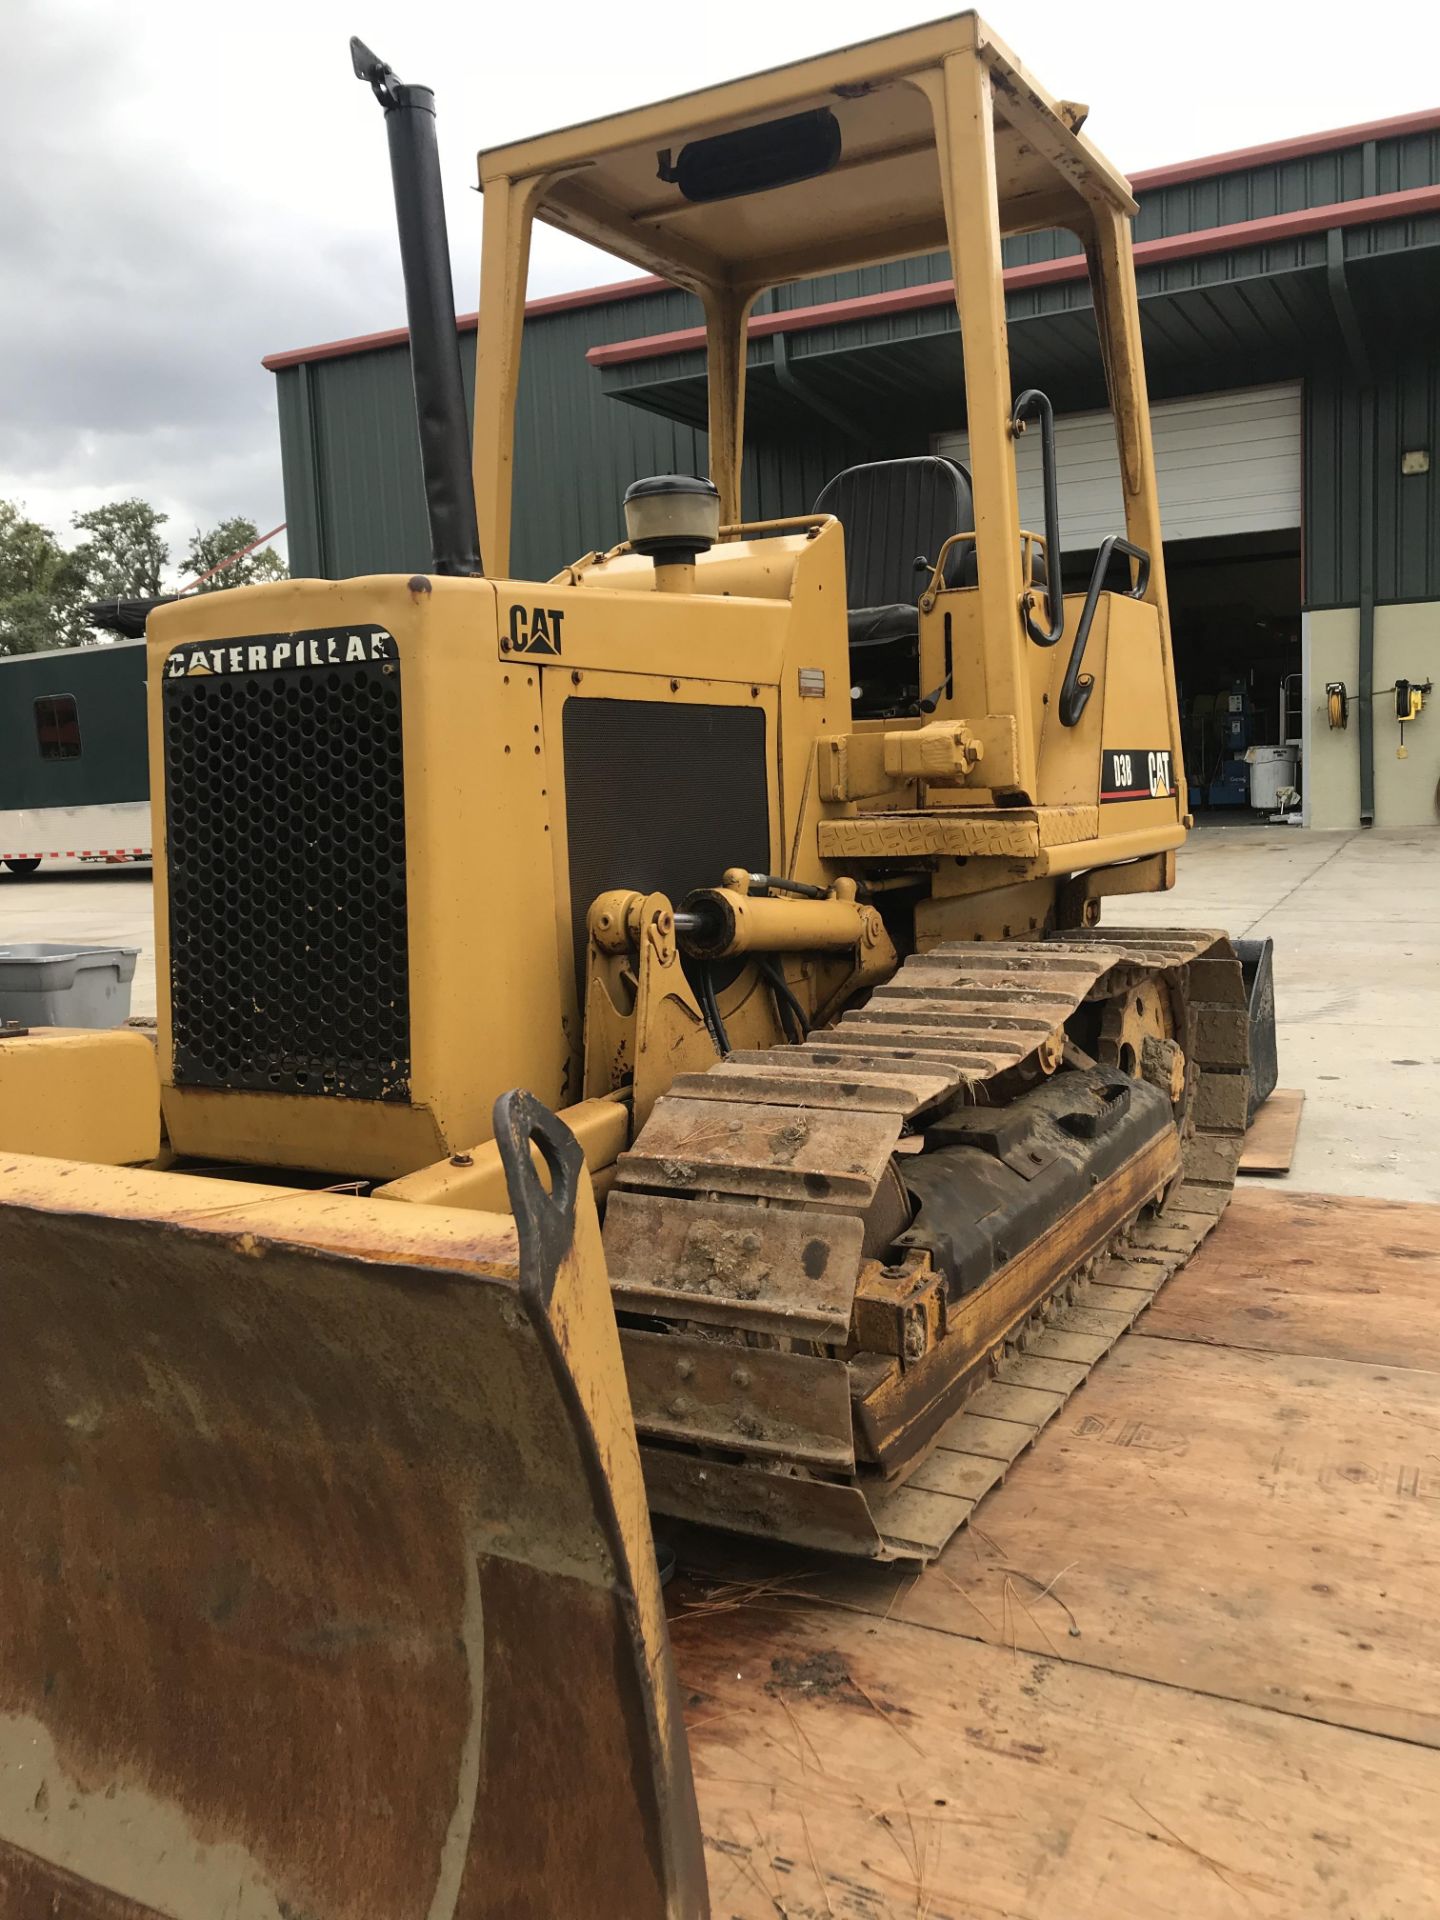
1247	302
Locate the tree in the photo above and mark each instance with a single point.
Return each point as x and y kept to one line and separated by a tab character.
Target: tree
121	554
207	550
41	587
125	552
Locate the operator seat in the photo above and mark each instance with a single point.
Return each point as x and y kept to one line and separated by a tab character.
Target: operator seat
895	512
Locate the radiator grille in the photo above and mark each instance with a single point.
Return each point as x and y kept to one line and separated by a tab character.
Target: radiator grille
285	822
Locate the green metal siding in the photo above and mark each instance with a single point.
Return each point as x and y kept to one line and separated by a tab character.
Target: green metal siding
575	450
1412	161
356	503
1331	487
1407	506
354	494
1408	416
303	493
107	684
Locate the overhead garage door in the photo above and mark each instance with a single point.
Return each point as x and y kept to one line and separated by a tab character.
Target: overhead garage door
1227	463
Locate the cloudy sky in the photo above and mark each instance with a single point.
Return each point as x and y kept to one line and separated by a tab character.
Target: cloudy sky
184	188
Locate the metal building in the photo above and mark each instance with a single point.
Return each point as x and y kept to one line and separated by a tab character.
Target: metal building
1290	296
74	774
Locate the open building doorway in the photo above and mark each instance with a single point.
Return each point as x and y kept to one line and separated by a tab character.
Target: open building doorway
1235	618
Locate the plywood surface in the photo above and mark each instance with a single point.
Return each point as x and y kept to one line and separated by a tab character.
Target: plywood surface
1270	1142
1262	1527
855	1770
1186	1660
1307	1273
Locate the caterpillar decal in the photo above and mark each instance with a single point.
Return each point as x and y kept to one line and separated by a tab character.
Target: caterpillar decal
267	652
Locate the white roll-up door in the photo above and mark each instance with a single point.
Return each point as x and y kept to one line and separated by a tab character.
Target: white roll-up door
1227	463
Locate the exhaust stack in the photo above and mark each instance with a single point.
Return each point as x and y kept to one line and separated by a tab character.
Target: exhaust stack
430	310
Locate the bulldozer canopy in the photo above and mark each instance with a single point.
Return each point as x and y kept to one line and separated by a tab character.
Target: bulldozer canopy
931	139
735	185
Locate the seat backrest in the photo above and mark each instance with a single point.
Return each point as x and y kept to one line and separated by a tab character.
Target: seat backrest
895	512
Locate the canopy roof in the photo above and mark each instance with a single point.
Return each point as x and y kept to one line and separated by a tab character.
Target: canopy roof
646	186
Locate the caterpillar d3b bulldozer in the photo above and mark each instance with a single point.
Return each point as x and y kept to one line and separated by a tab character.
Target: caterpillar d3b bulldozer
769	857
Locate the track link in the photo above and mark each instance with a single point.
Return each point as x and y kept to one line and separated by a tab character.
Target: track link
735	1240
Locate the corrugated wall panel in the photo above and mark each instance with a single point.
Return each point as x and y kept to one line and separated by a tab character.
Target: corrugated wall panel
1407	506
368	450
576	450
1253	194
1394	236
1332	491
1413	161
785	478
357	504
1407	416
305	532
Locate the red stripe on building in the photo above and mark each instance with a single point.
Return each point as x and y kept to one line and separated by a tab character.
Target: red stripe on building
467	322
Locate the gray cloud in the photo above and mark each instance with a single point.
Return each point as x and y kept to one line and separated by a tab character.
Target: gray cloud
143	287
184	189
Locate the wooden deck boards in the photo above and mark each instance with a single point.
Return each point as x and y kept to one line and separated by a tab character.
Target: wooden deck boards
1254	1526
1270	1142
1234	1710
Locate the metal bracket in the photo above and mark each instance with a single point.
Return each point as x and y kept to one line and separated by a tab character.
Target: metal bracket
545	1221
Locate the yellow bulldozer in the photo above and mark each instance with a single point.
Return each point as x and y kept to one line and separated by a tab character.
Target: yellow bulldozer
339	1376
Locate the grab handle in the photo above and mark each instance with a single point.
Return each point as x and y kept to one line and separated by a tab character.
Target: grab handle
1032	400
1077	686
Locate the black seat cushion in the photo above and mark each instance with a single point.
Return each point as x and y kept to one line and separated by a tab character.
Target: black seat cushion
967	571
879	626
894	513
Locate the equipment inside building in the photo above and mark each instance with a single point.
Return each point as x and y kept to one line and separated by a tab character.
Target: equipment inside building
771	859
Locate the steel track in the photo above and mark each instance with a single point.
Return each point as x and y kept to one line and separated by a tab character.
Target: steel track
734	1236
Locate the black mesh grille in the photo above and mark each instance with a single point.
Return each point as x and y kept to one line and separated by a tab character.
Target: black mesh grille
285	817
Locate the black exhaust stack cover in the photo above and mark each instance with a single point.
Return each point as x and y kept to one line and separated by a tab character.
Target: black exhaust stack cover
430	310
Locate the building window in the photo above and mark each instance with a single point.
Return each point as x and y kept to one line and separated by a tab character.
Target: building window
57	727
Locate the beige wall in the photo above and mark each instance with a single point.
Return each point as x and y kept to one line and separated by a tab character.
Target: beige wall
1407	646
1330	782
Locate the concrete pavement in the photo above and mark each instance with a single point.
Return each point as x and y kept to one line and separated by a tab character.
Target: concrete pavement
95	907
1355	918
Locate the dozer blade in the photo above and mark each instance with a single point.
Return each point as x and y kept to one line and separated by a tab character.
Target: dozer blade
326	1581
